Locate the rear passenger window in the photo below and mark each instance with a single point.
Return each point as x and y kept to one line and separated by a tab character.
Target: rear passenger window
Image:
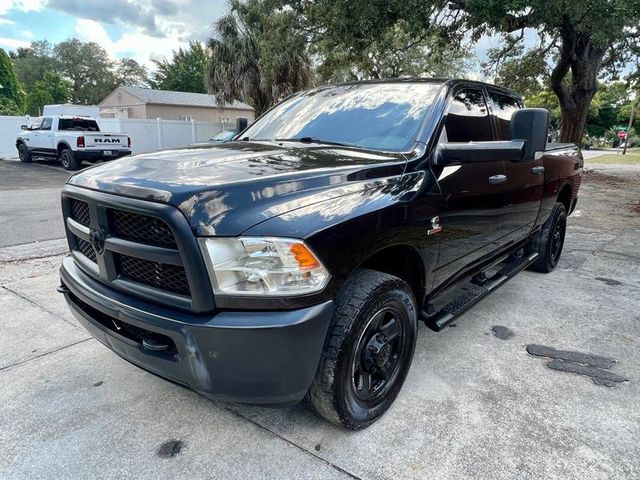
467	118
503	107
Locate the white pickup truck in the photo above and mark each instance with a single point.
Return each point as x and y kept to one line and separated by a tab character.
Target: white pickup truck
71	140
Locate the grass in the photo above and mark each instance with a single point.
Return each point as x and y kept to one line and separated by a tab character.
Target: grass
629	158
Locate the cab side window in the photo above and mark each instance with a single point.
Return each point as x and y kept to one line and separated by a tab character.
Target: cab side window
46	123
468	117
502	107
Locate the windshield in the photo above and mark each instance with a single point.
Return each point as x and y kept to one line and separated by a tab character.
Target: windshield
78	124
380	116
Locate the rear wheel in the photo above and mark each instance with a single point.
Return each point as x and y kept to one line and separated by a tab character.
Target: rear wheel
549	242
68	160
368	350
23	153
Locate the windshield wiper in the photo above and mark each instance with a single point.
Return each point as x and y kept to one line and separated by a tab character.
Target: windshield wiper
315	140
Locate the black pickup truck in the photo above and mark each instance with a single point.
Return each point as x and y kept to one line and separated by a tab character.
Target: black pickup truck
295	261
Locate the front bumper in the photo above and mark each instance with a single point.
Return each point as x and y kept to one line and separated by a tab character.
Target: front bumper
254	357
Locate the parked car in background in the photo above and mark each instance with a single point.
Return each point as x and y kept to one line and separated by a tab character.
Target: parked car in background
221	137
295	262
70	139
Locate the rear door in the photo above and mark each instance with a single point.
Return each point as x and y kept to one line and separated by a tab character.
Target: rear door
473	206
525	178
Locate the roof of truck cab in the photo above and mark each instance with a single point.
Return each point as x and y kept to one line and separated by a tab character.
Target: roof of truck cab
450	82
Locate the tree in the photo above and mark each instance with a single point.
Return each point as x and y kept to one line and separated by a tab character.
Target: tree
184	72
88	68
583	40
11	94
525	72
129	72
32	62
257	55
362	40
396	53
51	89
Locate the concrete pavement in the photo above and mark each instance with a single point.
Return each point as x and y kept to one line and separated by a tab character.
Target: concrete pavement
30	191
474	405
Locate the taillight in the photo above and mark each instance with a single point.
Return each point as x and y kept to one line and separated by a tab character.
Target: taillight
80	141
129	142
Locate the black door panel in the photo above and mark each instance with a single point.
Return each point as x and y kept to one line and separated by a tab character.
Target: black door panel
473	192
523	190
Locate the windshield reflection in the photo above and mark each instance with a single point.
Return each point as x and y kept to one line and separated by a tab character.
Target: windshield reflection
379	116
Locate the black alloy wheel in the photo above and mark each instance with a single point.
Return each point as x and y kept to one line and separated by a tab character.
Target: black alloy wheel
23	153
376	360
367	352
549	242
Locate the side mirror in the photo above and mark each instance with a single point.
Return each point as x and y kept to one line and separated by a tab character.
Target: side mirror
24	127
473	152
530	125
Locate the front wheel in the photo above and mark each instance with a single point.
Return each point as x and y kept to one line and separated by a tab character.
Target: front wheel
549	242
69	162
367	352
23	153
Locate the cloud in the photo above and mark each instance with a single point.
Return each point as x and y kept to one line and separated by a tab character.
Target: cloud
22	5
152	28
137	44
111	12
164	7
13	43
6	21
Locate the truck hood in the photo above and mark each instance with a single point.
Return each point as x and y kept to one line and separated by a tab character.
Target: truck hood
226	189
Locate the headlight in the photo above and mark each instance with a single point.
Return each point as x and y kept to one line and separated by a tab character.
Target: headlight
262	266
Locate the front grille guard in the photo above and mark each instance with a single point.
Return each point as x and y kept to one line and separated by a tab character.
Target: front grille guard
105	268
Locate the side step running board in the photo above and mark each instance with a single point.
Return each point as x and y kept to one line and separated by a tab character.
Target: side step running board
438	320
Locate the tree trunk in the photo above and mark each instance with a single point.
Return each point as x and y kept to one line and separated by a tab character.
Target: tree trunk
579	57
574	118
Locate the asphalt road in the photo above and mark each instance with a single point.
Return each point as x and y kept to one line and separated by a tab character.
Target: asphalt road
30	202
475	405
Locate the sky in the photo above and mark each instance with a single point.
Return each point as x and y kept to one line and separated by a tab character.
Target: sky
141	29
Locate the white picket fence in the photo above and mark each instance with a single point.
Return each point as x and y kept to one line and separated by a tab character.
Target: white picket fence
146	135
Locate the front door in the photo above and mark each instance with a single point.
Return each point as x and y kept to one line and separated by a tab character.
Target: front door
473	195
45	137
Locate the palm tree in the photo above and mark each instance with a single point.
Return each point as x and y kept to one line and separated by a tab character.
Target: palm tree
257	56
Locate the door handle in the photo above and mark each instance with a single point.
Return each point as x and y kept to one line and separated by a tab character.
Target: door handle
497	179
537	170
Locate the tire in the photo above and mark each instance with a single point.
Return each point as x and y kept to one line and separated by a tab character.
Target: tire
549	242
23	153
68	160
358	351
